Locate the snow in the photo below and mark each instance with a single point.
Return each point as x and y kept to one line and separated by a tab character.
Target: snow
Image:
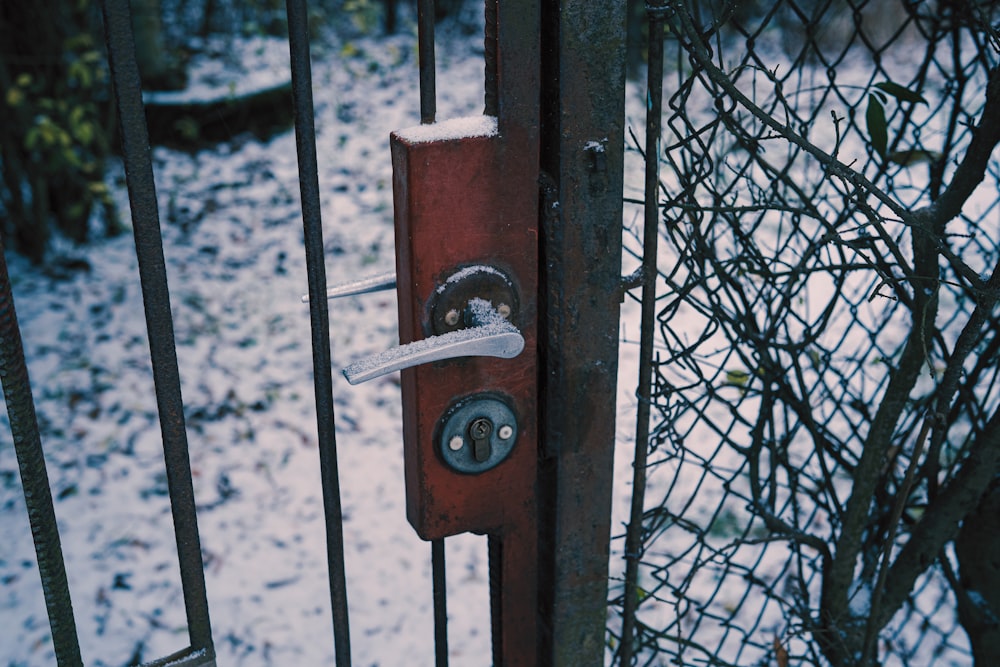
239	67
468	271
198	97
188	659
861	600
456	128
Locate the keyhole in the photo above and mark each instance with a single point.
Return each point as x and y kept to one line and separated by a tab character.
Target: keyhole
477	434
480	431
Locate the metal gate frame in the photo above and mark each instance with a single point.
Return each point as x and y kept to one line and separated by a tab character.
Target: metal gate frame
583	110
581	99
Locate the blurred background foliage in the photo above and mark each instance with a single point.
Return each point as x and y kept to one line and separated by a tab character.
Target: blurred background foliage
59	125
54	139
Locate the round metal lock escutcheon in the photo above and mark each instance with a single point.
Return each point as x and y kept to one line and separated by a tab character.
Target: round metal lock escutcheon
477	434
450	302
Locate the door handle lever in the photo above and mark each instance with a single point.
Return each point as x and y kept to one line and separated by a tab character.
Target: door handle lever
376	283
490	335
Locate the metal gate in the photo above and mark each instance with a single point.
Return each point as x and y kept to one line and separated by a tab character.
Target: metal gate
479	455
816	456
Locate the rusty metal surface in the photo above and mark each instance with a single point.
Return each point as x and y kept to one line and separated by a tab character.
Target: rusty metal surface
425	38
449	217
582	143
647	327
159	321
463	202
312	226
454	210
35	479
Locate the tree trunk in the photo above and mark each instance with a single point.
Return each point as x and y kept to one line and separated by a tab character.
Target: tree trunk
978	551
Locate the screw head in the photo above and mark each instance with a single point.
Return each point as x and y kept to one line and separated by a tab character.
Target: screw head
451	317
505	431
503	310
456	443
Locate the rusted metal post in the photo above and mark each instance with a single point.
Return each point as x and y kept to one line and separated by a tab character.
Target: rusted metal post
319	317
656	13
159	325
583	79
35	478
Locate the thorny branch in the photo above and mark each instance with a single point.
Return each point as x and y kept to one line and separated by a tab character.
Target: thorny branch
919	220
918	437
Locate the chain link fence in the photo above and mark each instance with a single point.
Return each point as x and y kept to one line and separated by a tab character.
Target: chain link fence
821	472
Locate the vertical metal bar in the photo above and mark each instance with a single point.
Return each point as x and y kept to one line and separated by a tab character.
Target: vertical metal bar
428	111
390	16
490	51
494	551
159	323
312	223
34	478
583	79
514	564
633	535
425	46
440	603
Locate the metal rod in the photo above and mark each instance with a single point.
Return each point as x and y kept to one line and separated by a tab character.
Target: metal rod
35	479
440	603
494	556
376	283
633	536
159	322
390	16
425	46
184	658
490	50
582	78
312	223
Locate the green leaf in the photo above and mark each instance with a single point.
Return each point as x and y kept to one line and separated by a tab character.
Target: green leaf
913	156
84	133
79	72
737	378
900	93
877	130
15	96
32	137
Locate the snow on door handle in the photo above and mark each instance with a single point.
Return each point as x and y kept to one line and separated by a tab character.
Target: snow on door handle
491	336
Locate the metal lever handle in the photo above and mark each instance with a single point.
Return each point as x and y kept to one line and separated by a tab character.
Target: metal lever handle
493	336
382	281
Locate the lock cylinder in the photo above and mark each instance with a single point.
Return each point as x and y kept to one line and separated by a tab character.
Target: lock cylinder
477	433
